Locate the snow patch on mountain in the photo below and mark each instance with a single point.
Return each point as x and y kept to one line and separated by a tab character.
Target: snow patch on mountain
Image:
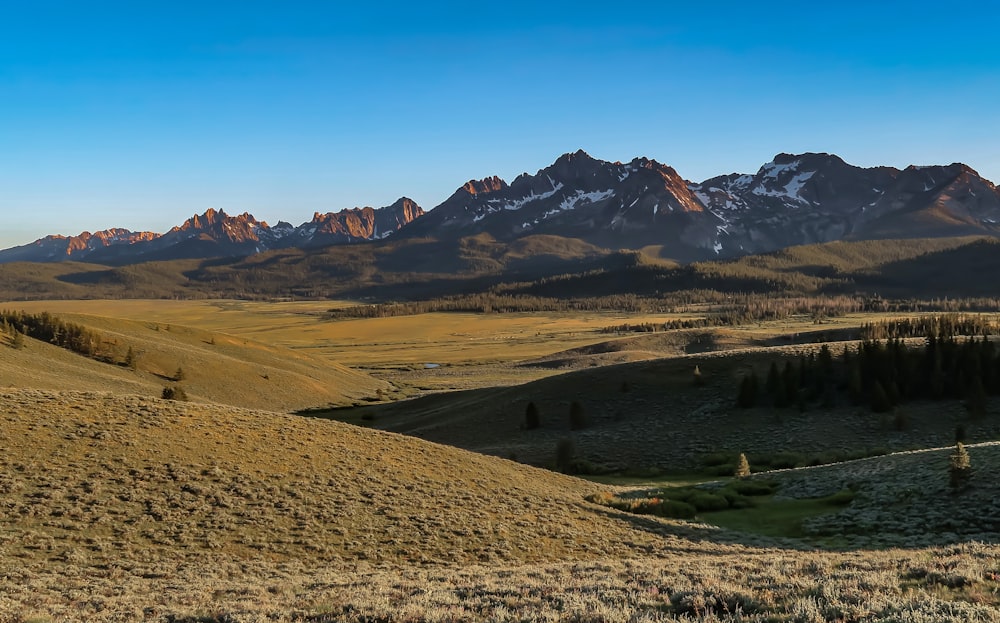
583	198
517	204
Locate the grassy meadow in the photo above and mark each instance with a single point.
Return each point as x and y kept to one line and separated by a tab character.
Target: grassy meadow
425	504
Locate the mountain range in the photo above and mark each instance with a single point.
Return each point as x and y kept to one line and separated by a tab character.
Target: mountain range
791	200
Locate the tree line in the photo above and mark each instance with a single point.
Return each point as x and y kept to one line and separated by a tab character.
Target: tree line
47	328
882	375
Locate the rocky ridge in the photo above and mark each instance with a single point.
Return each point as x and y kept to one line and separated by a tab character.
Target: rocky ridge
791	200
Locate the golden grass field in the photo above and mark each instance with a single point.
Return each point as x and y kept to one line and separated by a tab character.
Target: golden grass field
116	505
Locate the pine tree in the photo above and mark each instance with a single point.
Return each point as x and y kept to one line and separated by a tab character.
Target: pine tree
748	391
825	360
17	341
565	455
532	419
180	375
959	467
880	400
771	383
698	380
742	467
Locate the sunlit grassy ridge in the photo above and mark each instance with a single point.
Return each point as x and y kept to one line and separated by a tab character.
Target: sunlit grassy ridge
99	477
216	367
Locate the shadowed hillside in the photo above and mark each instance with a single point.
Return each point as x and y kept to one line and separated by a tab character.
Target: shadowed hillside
655	414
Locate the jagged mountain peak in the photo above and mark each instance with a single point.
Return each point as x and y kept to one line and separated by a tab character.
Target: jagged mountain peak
484	186
792	199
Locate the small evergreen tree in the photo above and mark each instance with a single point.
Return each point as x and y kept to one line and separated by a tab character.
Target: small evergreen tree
565	455
179	375
742	467
698	379
532	419
959	467
131	359
17	340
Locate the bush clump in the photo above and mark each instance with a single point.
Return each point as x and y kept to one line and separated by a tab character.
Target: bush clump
706	502
174	393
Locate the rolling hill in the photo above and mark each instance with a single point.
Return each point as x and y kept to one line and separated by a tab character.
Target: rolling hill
217	367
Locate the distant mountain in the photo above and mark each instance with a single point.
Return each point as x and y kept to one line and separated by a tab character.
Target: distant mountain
217	234
60	248
609	203
807	198
792	200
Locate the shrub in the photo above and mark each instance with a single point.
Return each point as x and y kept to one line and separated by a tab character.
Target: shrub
704	501
841	498
752	487
180	374
174	393
532	419
677	510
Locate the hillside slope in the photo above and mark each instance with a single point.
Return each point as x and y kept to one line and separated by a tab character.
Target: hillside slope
652	413
95	478
216	367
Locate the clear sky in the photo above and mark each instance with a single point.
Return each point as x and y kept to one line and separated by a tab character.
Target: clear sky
141	113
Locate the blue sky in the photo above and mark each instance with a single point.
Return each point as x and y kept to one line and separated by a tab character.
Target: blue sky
140	114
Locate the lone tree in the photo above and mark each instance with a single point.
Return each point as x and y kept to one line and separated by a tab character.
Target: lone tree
742	467
698	379
565	455
179	375
532	419
131	359
577	416
959	467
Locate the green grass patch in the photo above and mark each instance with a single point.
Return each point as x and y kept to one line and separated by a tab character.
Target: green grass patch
778	518
741	505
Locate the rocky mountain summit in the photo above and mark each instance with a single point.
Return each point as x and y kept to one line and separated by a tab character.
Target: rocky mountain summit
791	200
217	234
794	199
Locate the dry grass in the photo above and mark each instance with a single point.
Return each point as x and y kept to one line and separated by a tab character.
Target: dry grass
119	508
217	367
104	478
453	339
